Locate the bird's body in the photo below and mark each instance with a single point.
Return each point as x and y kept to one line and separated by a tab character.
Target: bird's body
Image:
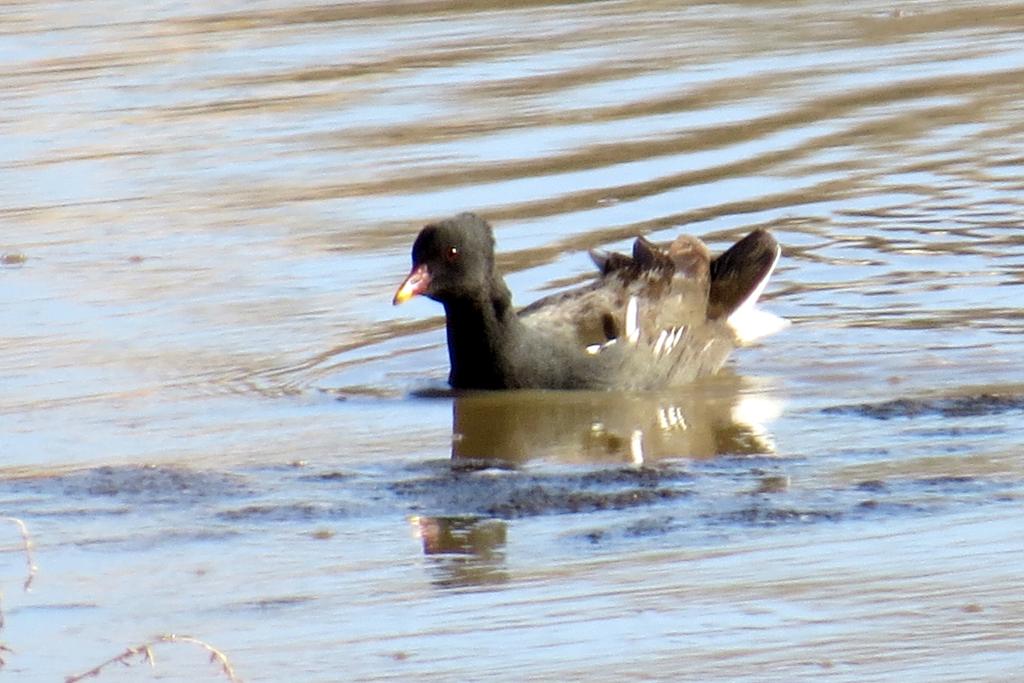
660	317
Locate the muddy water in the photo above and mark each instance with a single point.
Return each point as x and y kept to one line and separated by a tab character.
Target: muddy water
214	423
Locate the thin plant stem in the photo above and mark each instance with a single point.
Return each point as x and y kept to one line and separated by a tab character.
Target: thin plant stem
145	652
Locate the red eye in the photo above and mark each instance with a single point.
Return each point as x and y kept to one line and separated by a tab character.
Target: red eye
452	255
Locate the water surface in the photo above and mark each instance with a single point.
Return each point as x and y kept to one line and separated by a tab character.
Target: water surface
214	423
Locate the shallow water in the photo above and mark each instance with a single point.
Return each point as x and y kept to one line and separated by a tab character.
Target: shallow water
214	423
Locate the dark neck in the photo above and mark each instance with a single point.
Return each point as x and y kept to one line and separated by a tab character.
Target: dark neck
483	332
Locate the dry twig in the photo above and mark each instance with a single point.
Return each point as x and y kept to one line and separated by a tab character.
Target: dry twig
26	545
145	651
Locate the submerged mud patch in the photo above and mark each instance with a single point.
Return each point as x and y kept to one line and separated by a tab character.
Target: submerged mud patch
973	405
644	527
949	489
510	495
770	515
138	539
274	603
136	484
284	512
723	505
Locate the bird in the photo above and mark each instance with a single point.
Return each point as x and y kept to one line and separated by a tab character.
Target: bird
658	318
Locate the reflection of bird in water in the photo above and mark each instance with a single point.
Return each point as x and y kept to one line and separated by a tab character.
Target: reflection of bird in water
658	318
714	416
469	551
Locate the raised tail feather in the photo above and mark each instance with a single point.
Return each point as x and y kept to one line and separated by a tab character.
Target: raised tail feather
738	277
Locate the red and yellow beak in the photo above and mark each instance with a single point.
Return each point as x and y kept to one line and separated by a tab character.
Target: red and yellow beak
414	285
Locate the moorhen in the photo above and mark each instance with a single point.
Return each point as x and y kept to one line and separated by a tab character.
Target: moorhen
661	317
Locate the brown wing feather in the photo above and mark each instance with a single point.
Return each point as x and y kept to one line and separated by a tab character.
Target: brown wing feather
669	286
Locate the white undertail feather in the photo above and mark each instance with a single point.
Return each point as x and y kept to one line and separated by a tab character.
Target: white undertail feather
660	344
667	340
632	321
750	323
676	336
594	349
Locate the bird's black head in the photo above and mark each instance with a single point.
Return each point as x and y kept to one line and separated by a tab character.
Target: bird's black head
451	259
